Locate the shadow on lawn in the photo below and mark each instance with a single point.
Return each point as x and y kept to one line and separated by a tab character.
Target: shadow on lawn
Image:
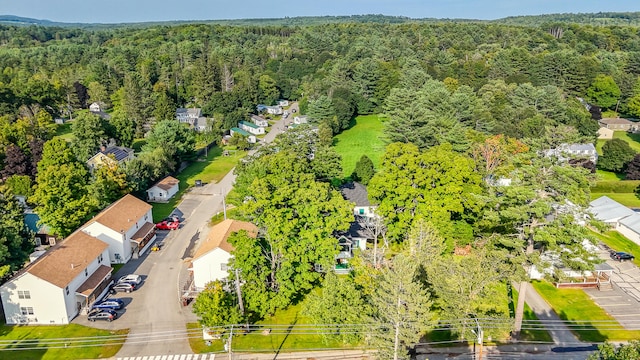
295	320
584	330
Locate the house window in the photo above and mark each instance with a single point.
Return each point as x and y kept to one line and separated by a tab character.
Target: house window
86	273
66	290
26	310
223	267
361	211
100	258
24	294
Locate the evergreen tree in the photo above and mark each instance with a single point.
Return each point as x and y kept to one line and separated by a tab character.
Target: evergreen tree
364	170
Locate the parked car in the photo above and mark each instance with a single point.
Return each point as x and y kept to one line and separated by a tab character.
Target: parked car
621	256
123	287
167	225
131	278
102	314
110	304
172	218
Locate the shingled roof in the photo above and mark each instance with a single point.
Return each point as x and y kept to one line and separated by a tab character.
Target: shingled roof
355	192
167	183
220	233
66	260
122	214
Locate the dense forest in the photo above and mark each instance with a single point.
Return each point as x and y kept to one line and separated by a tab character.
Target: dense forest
464	102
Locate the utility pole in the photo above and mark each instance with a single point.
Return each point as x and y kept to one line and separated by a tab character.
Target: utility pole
239	293
229	343
480	335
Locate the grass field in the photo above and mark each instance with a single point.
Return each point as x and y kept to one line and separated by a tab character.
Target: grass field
586	318
212	169
363	138
626	199
64	131
277	340
32	337
632	139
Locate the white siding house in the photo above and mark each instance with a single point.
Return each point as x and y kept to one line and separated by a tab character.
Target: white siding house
251	128
164	189
618	216
251	138
126	225
302	119
60	284
260	121
213	254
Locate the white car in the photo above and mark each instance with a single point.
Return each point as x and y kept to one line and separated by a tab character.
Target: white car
131	278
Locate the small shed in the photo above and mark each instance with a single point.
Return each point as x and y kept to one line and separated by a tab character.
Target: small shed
605	133
163	190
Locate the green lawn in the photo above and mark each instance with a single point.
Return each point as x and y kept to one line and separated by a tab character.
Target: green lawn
82	342
632	138
278	340
626	199
532	320
64	131
363	138
604	175
619	242
585	316
211	169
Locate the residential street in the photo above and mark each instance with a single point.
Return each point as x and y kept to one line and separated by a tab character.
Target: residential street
158	324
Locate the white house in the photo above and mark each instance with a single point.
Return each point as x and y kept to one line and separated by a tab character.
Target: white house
251	138
618	216
119	154
212	256
274	110
58	285
283	102
609	211
564	152
251	128
260	121
126	225
357	193
189	115
163	190
95	107
302	119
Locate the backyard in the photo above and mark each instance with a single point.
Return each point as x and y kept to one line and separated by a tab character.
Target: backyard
618	242
613	184
363	138
210	169
59	342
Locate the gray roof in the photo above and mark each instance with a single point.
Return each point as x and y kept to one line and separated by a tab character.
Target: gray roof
201	122
579	147
604	209
356	193
632	222
192	112
119	152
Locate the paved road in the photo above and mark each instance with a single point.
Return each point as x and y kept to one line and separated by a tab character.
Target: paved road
158	327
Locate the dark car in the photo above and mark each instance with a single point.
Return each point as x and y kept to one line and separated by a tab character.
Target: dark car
111	304
123	287
172	218
103	314
621	256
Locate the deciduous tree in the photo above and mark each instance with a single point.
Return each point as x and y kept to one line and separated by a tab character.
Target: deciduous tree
616	153
216	307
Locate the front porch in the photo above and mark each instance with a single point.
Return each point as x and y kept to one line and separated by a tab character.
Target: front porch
143	238
599	279
93	288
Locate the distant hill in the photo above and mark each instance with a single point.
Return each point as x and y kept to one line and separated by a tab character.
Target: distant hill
599	19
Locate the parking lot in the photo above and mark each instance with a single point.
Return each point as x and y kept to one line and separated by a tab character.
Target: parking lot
623	302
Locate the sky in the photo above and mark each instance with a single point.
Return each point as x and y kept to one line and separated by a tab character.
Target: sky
119	11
